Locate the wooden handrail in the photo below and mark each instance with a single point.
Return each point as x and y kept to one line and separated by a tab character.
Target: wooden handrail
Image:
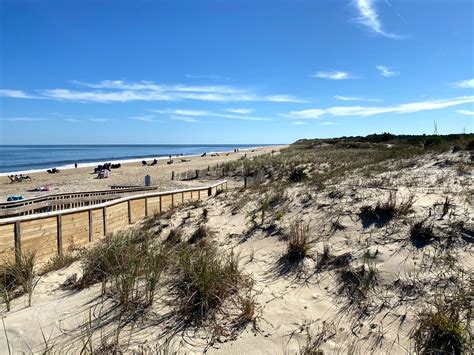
116	201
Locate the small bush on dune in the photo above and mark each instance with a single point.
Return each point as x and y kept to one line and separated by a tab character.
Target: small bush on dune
441	330
297	175
298	242
129	262
204	280
18	276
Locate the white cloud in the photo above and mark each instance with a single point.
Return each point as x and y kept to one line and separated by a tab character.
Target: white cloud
282	98
299	123
105	97
184	119
328	123
17	94
465	84
466	112
210	77
369	18
72	120
355	98
315	113
110	91
242	111
364	111
24	119
386	72
195	113
333	75
99	120
146	118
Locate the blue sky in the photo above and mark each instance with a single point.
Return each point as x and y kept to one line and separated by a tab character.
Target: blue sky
233	71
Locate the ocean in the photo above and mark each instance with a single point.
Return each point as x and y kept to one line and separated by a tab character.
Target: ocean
32	158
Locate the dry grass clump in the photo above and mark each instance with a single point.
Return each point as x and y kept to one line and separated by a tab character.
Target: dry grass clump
204	280
422	234
441	330
298	243
18	277
357	282
202	232
315	341
297	175
328	261
174	237
58	262
130	263
383	212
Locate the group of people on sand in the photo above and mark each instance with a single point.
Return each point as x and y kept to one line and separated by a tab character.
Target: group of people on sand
53	171
153	163
18	178
103	170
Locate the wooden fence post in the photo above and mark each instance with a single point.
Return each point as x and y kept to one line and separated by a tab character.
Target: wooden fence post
90	226
172	175
129	208
17	239
59	234
146	207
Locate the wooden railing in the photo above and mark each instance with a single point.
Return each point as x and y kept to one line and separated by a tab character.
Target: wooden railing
52	233
61	201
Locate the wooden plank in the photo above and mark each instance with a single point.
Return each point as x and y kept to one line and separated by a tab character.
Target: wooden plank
166	203
137	210
7	242
153	205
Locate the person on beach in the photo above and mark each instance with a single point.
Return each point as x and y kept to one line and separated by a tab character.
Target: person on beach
75	165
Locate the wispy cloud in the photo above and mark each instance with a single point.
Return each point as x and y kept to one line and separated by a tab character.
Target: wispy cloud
364	111
386	72
72	120
17	94
210	77
198	113
299	123
146	118
24	119
184	119
355	98
465	84
282	98
333	75
99	120
110	91
242	111
328	123
369	18
466	112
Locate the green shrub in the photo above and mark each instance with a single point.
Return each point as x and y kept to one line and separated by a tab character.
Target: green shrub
441	330
18	276
204	280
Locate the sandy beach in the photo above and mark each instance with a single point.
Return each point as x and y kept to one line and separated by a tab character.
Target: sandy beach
84	179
